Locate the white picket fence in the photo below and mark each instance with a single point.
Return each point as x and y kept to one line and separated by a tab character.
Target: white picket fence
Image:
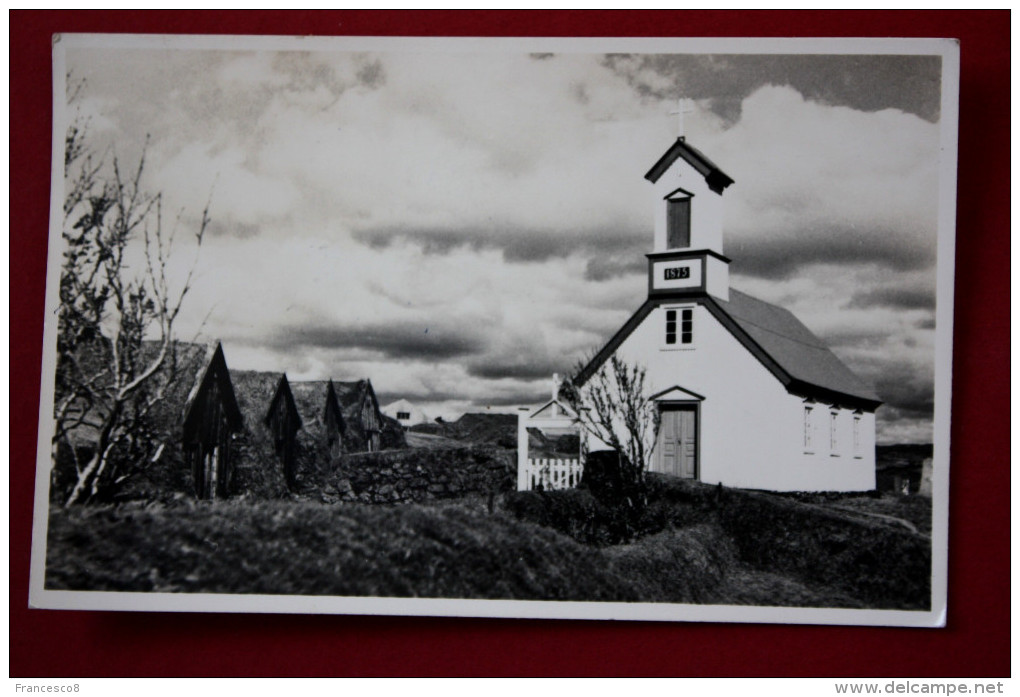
550	473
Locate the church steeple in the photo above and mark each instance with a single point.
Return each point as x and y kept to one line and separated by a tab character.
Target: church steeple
687	254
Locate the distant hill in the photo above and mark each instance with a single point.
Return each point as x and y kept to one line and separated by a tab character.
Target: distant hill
901	455
476	429
898	468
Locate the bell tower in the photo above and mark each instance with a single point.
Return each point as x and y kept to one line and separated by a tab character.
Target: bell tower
687	254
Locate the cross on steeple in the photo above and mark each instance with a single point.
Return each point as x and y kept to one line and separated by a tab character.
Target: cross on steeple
683	106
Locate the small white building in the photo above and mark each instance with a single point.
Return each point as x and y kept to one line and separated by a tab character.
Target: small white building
747	395
405	413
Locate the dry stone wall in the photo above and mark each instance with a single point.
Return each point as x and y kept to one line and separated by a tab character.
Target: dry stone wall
407	476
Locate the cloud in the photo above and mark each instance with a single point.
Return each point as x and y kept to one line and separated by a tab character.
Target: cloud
398	341
515	243
826	242
360	199
906	298
602	268
866	83
826	184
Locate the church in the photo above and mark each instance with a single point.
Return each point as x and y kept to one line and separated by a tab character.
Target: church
746	394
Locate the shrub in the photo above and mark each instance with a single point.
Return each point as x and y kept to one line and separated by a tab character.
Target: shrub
610	478
574	512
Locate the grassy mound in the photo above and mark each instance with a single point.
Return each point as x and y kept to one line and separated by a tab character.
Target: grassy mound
756	548
880	564
313	549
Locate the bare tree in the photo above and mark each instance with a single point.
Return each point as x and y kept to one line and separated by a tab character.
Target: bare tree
613	406
116	352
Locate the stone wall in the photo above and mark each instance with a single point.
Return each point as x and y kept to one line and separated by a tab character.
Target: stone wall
406	476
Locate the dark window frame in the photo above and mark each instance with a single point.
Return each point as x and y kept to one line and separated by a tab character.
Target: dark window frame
679	327
678	219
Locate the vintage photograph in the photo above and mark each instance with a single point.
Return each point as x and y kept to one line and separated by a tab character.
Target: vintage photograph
647	329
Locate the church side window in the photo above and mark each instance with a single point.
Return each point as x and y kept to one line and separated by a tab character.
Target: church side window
857	435
808	424
678	223
680	327
834	432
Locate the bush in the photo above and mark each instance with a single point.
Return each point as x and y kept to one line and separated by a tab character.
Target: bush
607	476
575	512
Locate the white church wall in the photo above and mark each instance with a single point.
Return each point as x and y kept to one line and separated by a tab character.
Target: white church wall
717	278
751	429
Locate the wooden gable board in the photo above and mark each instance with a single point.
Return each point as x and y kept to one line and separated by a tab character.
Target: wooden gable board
214	372
283	392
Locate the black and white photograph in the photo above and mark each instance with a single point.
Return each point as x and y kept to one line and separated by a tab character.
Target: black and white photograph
653	329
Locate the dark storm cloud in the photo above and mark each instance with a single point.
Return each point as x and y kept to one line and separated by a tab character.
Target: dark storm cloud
516	244
514	399
766	256
419	396
903	298
866	83
603	268
526	368
406	340
905	389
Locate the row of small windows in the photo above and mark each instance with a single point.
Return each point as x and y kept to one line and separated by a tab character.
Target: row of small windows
684	330
810	436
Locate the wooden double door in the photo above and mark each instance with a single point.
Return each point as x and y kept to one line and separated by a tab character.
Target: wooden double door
677	449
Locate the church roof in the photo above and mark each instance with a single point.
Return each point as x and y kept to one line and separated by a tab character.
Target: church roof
788	349
716	179
799	352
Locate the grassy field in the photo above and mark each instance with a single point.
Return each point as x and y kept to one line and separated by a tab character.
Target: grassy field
450	549
914	510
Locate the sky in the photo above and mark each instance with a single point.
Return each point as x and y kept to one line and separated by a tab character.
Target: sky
459	226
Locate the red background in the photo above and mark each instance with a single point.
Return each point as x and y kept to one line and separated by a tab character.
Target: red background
976	640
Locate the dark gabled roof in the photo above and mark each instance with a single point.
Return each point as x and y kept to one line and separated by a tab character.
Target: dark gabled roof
333	404
254	391
311	398
716	179
213	370
183	366
352	393
283	392
799	360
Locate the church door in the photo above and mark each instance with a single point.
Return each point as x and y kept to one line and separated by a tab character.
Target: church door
678	441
